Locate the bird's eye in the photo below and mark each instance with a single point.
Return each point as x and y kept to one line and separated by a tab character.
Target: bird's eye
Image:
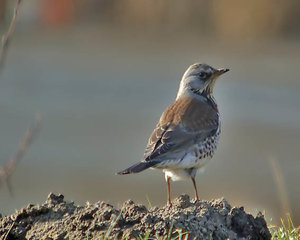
202	75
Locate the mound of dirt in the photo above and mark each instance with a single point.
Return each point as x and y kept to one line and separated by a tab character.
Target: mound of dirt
59	219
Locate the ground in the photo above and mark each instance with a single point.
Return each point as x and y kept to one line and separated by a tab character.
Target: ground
60	219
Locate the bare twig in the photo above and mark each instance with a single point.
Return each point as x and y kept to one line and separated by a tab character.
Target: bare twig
6	37
6	171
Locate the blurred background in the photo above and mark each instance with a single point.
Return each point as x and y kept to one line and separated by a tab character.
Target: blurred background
101	72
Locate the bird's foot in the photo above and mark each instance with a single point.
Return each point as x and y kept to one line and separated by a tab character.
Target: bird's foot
169	204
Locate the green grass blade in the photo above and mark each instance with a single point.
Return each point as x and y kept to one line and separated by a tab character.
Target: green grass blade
170	230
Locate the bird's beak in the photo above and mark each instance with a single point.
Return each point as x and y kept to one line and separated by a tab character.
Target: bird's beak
221	71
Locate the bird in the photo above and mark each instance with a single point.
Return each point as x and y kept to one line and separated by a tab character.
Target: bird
187	133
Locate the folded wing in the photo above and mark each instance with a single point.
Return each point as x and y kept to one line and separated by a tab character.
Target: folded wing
183	124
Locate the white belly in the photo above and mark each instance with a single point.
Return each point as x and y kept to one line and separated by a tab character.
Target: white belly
176	174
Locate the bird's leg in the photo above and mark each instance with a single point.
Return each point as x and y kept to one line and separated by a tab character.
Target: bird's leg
169	194
195	187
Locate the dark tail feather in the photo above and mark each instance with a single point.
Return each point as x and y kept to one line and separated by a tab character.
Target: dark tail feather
138	167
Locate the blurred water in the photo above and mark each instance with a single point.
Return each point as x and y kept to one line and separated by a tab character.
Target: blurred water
100	94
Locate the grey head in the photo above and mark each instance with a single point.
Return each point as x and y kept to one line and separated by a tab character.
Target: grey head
199	79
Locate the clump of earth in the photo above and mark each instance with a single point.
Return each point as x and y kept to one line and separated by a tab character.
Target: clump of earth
60	219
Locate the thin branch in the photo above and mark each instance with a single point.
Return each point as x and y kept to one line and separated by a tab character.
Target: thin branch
6	171
6	37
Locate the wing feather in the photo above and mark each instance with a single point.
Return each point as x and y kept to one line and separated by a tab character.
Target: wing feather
184	123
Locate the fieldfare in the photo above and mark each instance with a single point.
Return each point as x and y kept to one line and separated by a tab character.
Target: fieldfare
187	133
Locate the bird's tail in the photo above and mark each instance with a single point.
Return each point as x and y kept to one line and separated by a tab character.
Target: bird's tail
138	167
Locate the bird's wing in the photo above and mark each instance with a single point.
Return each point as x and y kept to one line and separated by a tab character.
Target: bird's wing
183	124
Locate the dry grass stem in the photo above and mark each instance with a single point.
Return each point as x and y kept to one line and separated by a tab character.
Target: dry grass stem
6	171
6	37
9	230
273	162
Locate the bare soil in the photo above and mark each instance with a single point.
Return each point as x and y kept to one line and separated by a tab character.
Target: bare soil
60	219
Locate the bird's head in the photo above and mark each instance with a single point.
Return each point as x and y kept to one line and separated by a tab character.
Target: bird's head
200	79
